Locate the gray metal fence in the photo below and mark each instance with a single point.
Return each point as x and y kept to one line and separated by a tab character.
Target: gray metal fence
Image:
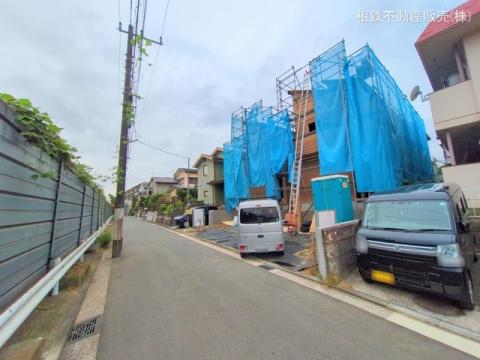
41	219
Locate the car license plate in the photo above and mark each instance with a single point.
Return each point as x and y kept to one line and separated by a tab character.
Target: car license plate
383	277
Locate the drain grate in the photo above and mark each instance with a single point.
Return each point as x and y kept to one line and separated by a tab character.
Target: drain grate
266	267
84	329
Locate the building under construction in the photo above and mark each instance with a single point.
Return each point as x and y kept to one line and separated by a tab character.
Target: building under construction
335	115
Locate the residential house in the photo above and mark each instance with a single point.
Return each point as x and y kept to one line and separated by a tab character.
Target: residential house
134	193
210	177
183	176
160	185
450	53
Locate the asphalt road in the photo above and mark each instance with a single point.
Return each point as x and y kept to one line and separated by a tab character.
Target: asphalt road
170	298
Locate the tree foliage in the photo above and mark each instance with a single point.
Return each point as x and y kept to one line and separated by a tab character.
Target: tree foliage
182	195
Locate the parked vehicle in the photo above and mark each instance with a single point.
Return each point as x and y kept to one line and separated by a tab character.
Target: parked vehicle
261	228
305	228
181	221
418	237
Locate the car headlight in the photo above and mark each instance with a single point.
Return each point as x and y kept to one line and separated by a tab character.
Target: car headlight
361	244
450	256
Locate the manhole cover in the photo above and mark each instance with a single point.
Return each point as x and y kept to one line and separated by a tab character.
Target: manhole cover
84	329
266	267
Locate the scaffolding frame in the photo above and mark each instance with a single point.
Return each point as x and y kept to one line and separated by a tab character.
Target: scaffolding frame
286	84
290	81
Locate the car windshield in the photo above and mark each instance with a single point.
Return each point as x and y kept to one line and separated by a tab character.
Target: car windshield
259	215
415	215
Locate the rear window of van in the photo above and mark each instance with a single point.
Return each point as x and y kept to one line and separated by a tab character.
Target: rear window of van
259	215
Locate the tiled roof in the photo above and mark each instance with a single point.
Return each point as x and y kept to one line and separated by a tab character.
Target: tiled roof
164	180
450	19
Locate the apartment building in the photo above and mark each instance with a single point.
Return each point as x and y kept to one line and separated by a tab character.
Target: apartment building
450	53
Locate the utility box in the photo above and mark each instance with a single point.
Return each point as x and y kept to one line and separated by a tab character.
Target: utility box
333	193
198	216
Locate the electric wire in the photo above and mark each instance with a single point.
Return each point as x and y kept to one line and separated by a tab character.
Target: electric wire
140	56
165	18
150	81
137	65
162	150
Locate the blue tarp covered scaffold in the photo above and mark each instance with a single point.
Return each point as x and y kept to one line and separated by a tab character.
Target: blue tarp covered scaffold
331	112
236	185
364	122
261	146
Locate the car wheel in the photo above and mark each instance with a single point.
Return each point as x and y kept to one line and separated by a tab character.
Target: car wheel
468	303
243	255
368	280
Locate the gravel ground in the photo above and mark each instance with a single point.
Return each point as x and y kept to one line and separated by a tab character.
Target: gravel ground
228	236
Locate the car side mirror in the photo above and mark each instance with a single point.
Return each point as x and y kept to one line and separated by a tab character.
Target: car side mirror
463	226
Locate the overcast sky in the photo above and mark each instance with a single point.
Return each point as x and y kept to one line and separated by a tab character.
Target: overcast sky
67	57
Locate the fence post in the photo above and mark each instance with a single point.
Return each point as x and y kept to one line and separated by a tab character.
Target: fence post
51	263
81	215
91	215
98	212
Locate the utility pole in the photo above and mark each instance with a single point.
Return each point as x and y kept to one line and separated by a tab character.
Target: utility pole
188	182
127	117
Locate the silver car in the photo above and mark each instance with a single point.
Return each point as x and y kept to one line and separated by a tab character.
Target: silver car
261	229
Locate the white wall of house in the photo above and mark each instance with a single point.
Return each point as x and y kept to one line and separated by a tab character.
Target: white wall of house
471	44
468	177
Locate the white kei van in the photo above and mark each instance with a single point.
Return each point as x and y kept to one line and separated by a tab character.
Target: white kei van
261	229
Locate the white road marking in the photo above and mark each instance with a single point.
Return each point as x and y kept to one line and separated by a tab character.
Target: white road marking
453	340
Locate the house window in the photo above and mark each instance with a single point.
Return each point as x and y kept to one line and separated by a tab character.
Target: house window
205	170
312	127
205	193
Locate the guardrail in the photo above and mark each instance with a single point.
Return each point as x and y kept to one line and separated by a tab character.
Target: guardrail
17	312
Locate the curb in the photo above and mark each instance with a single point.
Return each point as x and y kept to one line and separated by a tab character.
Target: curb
425	318
91	306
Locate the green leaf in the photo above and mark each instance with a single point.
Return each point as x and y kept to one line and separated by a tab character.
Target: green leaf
24	102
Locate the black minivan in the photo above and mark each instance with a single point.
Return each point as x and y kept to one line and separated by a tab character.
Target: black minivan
418	237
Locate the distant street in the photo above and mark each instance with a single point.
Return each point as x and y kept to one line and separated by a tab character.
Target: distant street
170	298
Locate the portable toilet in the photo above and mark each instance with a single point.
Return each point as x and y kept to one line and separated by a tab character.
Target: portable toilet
333	193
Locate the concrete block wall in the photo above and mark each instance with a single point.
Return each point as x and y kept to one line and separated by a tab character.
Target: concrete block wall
216	217
166	220
151	216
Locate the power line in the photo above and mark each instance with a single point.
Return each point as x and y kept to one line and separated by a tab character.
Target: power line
165	18
119	12
149	86
163	150
140	56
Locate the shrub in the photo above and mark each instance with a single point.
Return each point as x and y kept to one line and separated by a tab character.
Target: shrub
104	239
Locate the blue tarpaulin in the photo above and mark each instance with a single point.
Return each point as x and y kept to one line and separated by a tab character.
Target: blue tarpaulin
364	122
330	105
257	154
